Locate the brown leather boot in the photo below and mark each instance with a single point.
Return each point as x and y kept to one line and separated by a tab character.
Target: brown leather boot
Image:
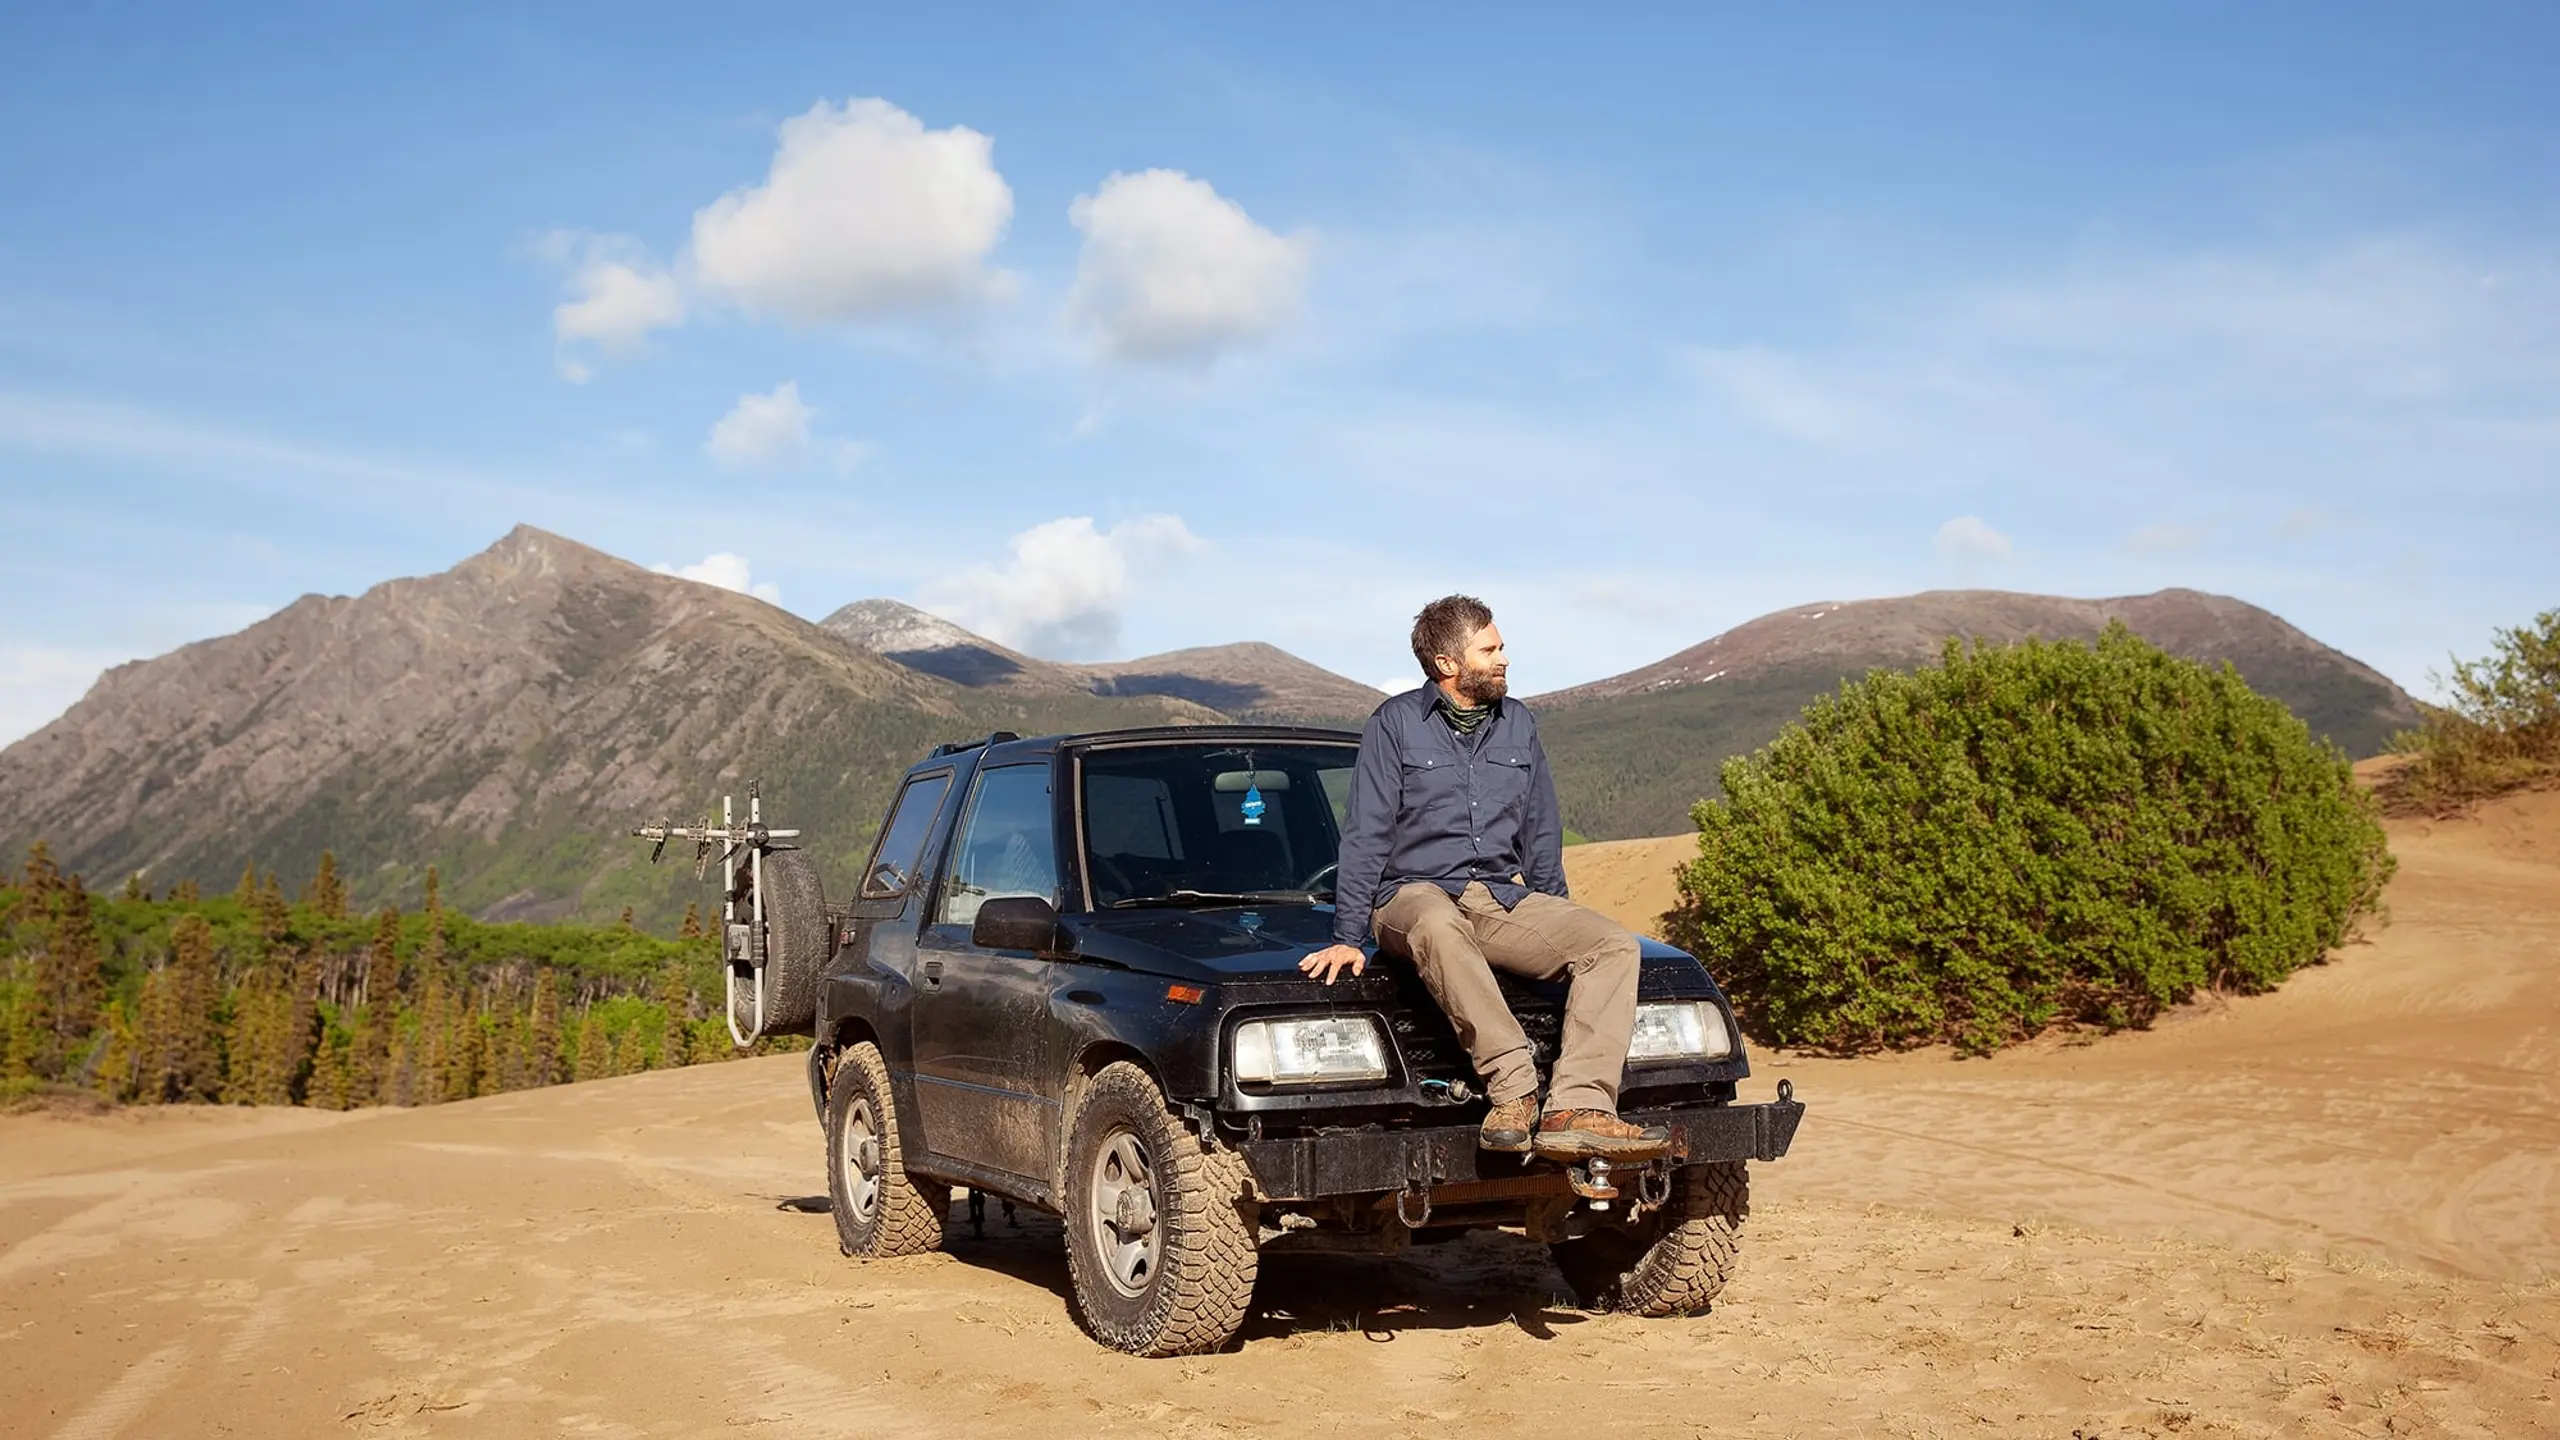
1583	1134
1507	1126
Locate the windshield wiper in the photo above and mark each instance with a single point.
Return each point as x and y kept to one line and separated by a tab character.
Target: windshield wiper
1222	897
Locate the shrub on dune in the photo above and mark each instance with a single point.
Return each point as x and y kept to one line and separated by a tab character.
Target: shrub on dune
2020	837
2500	732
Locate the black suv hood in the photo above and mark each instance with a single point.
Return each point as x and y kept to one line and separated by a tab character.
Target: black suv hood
1265	942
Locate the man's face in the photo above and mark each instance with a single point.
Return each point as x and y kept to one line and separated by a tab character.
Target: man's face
1481	667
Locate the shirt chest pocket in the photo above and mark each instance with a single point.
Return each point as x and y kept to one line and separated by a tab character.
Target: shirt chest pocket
1503	773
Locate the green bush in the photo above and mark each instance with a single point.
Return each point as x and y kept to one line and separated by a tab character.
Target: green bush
2019	837
2501	732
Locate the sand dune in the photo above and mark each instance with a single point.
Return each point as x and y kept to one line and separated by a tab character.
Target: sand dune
2328	1211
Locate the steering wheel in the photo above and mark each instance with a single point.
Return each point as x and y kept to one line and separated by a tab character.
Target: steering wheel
1321	880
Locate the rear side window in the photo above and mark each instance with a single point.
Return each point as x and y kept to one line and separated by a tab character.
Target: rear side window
893	861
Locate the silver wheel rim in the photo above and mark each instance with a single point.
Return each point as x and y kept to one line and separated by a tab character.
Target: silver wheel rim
863	1168
1127	1203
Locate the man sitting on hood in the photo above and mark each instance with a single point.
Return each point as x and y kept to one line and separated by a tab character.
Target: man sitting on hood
1453	858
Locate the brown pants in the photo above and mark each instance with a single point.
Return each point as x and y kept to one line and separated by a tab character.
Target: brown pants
1456	945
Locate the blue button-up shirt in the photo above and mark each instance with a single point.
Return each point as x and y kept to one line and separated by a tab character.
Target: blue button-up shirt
1430	805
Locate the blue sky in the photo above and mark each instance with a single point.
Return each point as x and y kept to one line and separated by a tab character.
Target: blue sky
1137	327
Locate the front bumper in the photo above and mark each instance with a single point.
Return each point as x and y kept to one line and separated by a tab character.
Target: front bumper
1372	1160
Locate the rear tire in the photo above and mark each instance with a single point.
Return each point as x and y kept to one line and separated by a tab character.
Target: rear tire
1160	1229
880	1211
1677	1260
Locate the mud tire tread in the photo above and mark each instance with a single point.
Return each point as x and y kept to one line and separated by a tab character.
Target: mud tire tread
1204	1284
912	1211
1679	1263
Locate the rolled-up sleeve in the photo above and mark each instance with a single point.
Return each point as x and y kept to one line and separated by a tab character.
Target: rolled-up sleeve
1376	795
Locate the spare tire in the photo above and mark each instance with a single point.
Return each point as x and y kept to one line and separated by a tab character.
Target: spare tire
781	995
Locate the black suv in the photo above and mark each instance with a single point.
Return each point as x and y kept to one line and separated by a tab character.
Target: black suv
1069	978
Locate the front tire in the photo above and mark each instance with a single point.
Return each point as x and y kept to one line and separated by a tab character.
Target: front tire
1160	1229
880	1210
1674	1262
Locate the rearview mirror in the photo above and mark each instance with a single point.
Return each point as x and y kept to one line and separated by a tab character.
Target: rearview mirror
1017	922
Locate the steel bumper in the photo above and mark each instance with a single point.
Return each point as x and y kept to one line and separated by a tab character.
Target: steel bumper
1366	1161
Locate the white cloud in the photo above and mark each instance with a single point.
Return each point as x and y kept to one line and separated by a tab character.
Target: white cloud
617	296
1063	593
777	430
865	214
1173	272
37	685
1968	543
729	572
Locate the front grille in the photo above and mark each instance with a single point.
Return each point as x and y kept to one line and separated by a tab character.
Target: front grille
1430	1045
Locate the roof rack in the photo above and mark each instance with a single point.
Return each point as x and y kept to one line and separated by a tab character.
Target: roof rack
954	747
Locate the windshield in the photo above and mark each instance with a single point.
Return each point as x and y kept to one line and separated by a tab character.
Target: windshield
1200	824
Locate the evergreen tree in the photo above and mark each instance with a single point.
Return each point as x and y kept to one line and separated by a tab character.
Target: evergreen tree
625	922
275	917
43	877
302	1027
628	1056
328	1089
501	1056
186	892
119	1069
133	890
382	961
247	894
368	1057
675	1042
182	1055
692	927
397	1082
253	1053
594	1061
435	895
62	1006
463	1057
326	894
435	1033
542	1037
158	1020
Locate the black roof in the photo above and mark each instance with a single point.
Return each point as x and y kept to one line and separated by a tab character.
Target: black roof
1008	745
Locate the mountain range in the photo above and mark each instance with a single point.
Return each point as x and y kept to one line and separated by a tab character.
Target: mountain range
509	718
1633	752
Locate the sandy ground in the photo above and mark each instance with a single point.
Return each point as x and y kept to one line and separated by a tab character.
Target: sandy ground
2329	1211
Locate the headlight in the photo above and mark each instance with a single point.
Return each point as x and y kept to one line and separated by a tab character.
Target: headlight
1680	1030
1299	1052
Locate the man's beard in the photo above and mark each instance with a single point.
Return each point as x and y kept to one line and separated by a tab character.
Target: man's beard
1482	687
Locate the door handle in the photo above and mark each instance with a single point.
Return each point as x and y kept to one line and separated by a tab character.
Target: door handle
933	974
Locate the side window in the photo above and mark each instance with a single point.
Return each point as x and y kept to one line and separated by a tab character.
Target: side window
893	860
1007	845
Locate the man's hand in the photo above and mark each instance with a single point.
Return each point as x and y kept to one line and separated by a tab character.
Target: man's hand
1333	960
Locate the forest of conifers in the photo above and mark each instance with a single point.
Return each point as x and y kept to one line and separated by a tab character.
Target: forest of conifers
258	998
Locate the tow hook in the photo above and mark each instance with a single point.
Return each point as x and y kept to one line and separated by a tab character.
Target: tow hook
1413	1190
1653	1189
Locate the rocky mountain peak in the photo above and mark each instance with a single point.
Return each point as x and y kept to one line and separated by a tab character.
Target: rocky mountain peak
894	627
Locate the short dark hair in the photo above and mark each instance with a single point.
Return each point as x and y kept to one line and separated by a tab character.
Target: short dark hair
1444	627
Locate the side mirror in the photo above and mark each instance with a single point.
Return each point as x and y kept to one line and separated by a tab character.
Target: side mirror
1017	922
